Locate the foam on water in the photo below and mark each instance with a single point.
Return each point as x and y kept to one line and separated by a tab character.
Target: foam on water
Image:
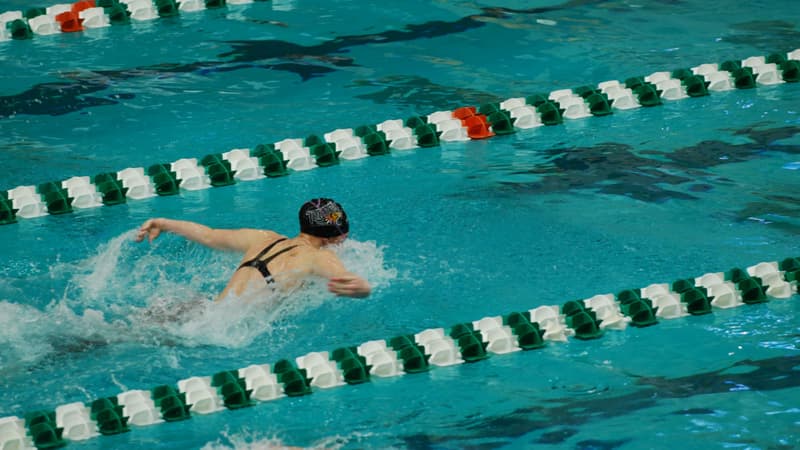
28	334
366	259
248	440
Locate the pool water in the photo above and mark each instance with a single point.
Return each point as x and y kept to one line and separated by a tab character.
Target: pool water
446	235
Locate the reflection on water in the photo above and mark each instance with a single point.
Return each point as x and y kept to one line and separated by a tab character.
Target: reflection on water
654	176
560	419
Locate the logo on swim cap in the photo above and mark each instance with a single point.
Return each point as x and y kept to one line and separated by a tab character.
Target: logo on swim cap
323	217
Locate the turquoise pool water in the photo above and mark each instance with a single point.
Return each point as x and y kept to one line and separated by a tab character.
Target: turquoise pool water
447	234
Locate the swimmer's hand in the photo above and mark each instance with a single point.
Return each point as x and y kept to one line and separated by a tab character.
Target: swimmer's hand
350	285
151	228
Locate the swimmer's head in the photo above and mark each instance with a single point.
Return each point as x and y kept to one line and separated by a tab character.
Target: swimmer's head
323	217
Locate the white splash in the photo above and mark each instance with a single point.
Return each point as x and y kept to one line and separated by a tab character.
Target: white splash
102	267
254	441
367	260
161	294
27	334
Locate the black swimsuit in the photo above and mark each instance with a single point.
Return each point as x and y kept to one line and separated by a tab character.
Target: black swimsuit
261	264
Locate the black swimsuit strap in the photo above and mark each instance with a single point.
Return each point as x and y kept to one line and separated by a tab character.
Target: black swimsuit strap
266	250
266	261
261	264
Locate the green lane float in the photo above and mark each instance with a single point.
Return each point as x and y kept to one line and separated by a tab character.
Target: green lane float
419	131
466	342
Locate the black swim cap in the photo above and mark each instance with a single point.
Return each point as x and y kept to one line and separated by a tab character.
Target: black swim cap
323	217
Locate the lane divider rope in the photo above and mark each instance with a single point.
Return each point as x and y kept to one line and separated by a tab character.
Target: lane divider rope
462	124
87	14
404	354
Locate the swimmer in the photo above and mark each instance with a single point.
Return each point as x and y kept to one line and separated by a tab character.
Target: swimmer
273	259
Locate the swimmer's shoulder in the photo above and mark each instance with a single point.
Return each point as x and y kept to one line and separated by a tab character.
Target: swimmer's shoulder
266	237
258	240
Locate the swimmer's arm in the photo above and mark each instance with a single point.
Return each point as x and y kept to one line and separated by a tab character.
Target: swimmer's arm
340	281
221	239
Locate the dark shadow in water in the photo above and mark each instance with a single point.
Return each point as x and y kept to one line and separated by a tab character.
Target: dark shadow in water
56	99
252	50
681	174
305	61
559	419
766	35
422	94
